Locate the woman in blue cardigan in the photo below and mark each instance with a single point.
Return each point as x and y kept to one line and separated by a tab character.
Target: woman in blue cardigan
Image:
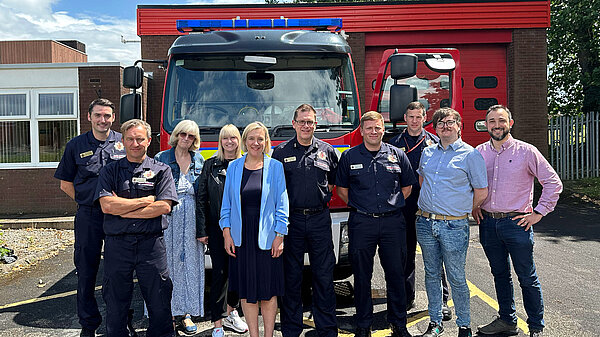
254	219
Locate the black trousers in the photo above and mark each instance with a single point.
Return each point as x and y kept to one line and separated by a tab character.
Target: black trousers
366	235
219	296
146	255
312	234
89	237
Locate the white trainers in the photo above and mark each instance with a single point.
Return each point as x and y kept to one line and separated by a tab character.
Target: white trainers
235	323
218	332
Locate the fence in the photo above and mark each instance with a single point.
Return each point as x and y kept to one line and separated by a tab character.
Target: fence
574	145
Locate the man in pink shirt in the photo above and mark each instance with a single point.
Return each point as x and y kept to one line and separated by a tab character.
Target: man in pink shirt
506	218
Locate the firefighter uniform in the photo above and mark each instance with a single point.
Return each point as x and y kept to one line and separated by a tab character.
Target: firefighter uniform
80	164
308	172
413	146
136	245
374	181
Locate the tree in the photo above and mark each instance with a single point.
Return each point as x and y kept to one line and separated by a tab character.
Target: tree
574	56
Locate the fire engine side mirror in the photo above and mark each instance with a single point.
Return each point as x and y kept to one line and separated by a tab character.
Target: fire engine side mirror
400	96
403	66
132	77
130	107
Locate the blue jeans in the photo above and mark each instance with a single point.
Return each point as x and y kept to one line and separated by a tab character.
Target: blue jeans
504	241
445	241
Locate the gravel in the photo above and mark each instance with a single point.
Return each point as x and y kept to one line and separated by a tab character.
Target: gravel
31	245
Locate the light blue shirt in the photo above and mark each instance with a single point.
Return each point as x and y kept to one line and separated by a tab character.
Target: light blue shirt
449	177
274	208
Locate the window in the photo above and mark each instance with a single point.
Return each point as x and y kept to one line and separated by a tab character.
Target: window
35	126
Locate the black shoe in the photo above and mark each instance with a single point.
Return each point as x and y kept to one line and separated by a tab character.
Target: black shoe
87	333
362	332
398	331
410	305
446	312
434	330
464	332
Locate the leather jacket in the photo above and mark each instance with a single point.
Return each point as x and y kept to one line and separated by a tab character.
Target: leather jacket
209	197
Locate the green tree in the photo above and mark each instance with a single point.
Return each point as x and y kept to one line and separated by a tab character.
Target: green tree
574	56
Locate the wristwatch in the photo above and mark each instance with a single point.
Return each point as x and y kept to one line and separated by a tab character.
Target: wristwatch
279	235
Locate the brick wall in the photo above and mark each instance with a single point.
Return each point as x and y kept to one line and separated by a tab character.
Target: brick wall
357	43
527	86
36	191
155	48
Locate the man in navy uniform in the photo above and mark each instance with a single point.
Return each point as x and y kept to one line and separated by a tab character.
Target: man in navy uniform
78	171
310	165
412	141
135	193
375	178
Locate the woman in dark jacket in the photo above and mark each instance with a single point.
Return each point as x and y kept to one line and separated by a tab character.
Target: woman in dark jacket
210	193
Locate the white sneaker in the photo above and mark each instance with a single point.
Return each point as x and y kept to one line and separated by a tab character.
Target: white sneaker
218	332
235	323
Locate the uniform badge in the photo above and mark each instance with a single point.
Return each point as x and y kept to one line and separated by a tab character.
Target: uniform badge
356	166
119	146
392	158
148	174
403	149
138	180
86	154
289	159
321	155
429	142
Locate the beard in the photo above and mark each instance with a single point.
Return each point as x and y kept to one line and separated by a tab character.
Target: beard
502	136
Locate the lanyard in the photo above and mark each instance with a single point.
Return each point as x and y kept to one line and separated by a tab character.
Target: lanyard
412	148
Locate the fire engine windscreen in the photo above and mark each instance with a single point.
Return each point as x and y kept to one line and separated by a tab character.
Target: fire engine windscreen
217	90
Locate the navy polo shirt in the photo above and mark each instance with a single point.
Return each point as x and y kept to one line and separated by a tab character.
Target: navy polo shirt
82	160
308	171
136	180
375	182
413	147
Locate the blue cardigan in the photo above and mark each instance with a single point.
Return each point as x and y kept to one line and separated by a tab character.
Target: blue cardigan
274	207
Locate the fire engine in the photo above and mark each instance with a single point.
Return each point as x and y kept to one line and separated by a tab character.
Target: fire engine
239	71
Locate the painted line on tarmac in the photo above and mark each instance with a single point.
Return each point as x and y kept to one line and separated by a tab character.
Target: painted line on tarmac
47	298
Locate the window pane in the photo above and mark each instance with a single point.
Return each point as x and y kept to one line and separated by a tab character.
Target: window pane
56	104
53	136
15	146
13	105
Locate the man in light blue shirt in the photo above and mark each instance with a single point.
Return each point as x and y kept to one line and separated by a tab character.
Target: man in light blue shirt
453	182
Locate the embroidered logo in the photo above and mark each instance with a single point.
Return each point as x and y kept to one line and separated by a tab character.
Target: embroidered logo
119	146
148	174
392	158
321	155
429	142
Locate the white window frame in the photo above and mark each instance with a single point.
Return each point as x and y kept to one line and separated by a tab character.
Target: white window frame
27	115
34	118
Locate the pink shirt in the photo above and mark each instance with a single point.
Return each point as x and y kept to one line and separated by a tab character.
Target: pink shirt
511	172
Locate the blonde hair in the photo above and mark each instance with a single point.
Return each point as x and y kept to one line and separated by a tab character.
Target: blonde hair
191	128
254	126
229	130
133	123
370	116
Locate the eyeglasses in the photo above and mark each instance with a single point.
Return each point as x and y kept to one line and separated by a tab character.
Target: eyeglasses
303	123
449	123
186	135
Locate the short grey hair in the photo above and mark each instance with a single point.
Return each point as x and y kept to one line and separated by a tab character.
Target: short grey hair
133	123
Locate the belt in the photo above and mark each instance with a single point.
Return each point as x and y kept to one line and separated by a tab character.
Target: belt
375	215
440	217
500	215
308	211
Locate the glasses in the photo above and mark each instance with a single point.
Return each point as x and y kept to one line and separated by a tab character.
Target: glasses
307	123
449	123
186	135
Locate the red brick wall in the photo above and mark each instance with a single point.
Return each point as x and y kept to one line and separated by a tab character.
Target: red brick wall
527	86
155	48
33	192
36	191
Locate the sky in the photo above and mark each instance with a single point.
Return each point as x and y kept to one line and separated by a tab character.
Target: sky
98	24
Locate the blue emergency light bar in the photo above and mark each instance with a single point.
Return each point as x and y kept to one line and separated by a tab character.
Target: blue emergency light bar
237	23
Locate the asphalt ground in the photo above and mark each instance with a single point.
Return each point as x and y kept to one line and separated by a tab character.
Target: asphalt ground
40	301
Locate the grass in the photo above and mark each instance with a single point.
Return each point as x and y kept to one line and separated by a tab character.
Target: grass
589	187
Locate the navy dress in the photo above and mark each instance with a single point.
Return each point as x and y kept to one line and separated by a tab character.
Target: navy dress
254	274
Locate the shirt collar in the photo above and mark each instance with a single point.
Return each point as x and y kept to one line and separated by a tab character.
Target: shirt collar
454	146
506	145
297	144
